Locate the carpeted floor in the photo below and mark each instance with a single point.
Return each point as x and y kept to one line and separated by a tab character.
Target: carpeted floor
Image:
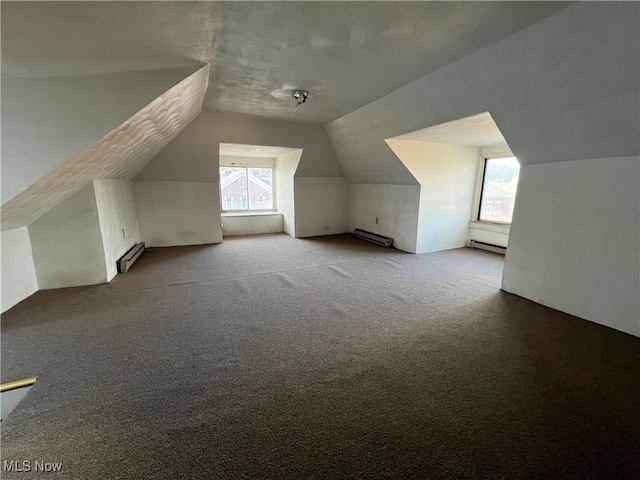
273	357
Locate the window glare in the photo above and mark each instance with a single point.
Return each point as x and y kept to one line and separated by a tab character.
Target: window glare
499	189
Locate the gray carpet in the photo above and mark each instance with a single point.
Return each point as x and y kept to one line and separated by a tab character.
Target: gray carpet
273	357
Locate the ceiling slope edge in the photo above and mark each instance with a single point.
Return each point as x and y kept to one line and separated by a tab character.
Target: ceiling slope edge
367	160
120	154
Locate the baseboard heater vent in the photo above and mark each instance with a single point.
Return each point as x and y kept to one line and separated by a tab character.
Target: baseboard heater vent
124	264
373	237
488	247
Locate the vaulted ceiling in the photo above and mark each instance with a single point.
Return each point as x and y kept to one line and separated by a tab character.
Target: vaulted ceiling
347	54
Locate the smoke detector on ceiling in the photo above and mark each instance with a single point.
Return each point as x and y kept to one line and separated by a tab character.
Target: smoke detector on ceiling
301	97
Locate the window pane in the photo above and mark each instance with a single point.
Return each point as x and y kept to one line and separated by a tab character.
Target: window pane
233	186
499	189
260	189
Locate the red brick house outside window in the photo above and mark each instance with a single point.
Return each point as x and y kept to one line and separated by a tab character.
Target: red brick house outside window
246	188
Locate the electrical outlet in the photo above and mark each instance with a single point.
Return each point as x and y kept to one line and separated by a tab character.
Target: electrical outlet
376	220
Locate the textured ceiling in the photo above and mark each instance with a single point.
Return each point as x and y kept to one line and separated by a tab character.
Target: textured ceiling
253	151
122	153
40	38
347	54
476	131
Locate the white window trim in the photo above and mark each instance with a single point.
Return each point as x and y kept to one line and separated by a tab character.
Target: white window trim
475	221
252	213
247	211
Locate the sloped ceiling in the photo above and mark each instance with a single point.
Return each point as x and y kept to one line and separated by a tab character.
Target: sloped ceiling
550	102
475	131
347	54
559	78
193	155
122	153
47	120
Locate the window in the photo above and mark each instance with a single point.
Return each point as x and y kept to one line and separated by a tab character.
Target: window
499	184
252	185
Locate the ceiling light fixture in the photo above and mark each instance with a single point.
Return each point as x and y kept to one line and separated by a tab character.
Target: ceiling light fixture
301	97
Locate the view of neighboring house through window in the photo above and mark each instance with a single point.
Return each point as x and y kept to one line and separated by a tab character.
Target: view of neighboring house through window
499	185
246	188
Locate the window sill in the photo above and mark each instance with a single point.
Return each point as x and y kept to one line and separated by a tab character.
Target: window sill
250	214
490	227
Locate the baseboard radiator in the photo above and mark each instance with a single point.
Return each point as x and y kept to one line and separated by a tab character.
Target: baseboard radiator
373	237
475	244
124	264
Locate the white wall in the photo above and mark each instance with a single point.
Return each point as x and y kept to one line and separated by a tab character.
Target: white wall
395	206
322	206
178	213
67	243
247	224
488	233
194	156
447	174
18	271
118	220
286	166
575	239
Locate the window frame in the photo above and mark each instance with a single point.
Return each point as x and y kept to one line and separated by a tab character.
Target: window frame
480	177
248	210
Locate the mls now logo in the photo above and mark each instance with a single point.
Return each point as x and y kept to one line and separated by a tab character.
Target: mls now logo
28	466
